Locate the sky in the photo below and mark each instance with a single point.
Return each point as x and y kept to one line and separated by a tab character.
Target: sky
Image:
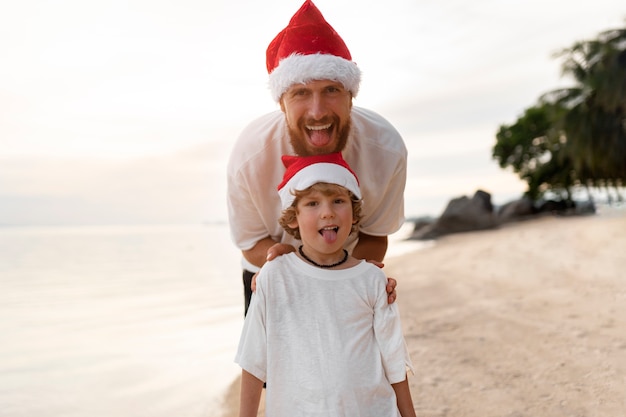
125	111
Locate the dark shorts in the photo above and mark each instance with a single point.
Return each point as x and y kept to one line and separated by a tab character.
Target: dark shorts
247	291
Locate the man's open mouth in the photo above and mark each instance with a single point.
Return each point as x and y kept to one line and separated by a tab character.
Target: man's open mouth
320	135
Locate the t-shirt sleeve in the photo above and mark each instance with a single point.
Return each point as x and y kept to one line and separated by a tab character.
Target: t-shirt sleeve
253	172
252	350
388	332
387	215
378	155
246	224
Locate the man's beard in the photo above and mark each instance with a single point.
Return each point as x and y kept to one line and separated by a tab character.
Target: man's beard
302	147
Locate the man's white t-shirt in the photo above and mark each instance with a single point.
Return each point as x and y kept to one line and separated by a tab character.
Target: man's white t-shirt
326	341
375	151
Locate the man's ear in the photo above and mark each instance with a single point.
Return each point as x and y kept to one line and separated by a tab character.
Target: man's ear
282	105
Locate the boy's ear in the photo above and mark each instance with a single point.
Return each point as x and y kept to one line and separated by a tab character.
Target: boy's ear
293	224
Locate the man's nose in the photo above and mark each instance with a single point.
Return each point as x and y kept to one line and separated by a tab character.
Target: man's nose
317	107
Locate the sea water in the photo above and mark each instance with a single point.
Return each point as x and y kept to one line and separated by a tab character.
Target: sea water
119	321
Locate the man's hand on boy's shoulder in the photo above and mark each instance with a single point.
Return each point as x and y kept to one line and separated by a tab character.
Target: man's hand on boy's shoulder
279	249
276	250
391	290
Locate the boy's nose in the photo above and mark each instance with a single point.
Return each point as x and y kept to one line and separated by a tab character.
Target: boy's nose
327	211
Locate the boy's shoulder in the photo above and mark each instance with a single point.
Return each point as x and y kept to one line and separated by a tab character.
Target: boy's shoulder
289	262
277	264
373	269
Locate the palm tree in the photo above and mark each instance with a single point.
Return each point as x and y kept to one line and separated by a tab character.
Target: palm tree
595	122
577	135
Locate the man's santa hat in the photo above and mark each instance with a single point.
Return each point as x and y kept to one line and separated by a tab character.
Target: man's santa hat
304	171
309	49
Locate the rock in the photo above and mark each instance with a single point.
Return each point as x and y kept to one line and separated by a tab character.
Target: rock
585	207
516	210
419	224
554	207
461	215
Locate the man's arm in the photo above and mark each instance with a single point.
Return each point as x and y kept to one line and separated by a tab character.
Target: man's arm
370	248
403	398
258	254
250	395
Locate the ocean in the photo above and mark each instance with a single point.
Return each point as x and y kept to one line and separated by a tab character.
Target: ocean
120	321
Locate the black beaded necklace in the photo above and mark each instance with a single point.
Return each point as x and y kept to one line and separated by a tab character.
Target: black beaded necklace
345	258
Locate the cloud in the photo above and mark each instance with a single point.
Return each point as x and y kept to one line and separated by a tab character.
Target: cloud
124	111
183	187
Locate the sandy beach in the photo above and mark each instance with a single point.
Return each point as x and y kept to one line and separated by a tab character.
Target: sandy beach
525	320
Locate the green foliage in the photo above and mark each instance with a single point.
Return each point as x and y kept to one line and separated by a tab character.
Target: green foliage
534	149
575	135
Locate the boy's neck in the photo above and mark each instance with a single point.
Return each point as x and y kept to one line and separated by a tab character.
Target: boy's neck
340	261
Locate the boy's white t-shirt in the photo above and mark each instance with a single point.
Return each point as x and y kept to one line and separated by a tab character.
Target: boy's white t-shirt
326	341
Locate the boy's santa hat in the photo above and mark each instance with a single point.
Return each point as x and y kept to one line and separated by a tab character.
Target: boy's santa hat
304	171
309	49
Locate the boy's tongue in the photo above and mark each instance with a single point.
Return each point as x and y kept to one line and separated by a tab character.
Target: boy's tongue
319	137
330	235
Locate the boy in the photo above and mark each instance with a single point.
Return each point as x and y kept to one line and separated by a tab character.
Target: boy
319	329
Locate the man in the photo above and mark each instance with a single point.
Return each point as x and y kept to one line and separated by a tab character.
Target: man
313	78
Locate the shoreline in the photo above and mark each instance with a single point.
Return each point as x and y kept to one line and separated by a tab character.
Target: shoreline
523	320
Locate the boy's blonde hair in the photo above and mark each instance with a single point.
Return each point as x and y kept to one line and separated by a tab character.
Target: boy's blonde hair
289	214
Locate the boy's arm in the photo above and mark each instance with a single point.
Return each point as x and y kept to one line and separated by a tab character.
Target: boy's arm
403	396
250	395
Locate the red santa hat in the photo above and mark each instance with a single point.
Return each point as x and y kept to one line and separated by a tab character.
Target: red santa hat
309	49
304	171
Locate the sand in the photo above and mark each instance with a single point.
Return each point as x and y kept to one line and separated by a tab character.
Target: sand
525	320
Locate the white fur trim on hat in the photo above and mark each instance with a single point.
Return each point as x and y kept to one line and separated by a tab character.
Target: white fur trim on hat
312	174
301	69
